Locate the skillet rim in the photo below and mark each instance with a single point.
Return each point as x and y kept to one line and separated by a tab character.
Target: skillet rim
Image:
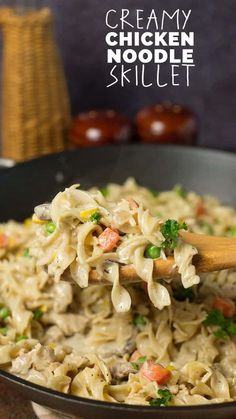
191	148
92	403
14	379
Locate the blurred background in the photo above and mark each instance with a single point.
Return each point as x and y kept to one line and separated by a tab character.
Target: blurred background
80	35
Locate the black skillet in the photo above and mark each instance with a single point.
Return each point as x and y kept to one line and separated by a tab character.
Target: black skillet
157	167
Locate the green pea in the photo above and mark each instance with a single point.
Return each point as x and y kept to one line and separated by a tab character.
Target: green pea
104	191
26	254
37	314
50	227
140	320
4	313
3	331
232	231
21	337
154	193
180	191
152	251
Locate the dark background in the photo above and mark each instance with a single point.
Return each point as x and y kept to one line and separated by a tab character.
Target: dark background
80	31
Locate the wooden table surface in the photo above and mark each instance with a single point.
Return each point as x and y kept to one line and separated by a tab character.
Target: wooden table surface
13	405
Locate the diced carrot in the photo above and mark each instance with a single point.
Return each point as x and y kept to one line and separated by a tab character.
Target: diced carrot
135	356
226	307
3	241
108	239
201	209
132	203
155	372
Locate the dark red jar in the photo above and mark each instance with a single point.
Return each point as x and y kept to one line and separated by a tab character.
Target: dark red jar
100	127
166	123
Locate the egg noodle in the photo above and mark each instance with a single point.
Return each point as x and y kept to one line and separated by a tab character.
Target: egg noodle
156	343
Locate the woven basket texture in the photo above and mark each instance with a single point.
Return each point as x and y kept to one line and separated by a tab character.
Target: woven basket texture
35	102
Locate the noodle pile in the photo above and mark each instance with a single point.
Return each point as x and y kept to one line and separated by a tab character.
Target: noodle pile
152	343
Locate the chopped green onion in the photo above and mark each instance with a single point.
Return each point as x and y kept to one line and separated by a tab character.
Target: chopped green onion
96	217
140	320
226	326
3	331
4	313
214	317
220	334
154	193
163	400
152	252
37	314
181	294
50	227
104	191
231	328
26	254
180	191
170	230
136	365
21	337
232	231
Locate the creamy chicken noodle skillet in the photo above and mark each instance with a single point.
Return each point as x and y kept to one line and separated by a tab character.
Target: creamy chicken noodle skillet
155	343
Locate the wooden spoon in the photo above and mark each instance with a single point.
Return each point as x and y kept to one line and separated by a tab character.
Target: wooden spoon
214	254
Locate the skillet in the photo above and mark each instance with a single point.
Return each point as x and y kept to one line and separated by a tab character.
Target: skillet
158	167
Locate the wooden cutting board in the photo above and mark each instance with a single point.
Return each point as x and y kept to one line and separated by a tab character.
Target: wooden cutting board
13	405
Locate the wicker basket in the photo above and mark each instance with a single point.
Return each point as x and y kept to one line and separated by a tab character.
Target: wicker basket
35	104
